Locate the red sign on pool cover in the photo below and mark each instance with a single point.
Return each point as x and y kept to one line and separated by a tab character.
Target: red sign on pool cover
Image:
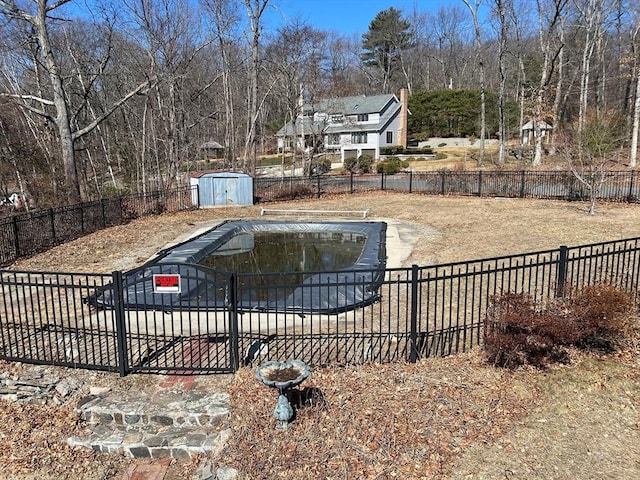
166	283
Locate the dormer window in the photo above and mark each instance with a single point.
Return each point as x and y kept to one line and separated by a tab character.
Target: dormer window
363	117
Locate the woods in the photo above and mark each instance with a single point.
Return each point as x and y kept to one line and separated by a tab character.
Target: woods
103	97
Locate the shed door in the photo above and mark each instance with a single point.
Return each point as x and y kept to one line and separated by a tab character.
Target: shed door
224	191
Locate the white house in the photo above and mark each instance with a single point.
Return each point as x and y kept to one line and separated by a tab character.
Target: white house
355	126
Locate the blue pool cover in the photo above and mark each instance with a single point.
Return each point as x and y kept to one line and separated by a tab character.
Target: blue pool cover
201	287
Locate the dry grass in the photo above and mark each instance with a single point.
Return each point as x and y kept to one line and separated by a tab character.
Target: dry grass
452	418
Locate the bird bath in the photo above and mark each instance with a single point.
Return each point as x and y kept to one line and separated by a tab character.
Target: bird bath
283	376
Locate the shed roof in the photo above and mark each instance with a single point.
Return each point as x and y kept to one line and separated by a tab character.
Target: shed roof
219	173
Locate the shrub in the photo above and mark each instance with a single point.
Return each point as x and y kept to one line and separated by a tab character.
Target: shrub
391	165
296	191
361	164
317	167
391	150
516	333
520	331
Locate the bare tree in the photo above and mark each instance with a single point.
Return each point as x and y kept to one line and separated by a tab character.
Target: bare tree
592	18
501	9
225	19
549	17
636	107
255	11
483	103
589	152
55	106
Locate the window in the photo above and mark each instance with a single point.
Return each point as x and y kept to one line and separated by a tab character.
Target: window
363	117
359	137
336	118
334	139
390	138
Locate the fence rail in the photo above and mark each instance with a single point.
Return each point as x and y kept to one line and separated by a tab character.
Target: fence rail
619	186
28	233
421	311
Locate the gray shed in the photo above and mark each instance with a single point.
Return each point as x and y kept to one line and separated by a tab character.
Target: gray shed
222	188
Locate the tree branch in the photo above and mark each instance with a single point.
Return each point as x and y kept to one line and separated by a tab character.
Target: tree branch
27	97
140	89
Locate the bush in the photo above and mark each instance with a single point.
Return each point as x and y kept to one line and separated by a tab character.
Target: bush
317	167
361	164
391	150
398	150
391	165
520	331
297	191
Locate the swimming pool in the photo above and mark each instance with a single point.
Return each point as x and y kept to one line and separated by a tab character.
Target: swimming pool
311	276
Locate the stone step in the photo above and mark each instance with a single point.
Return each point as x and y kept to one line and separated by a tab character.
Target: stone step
168	423
180	443
193	408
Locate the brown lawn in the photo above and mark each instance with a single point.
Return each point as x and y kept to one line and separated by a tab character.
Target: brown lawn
440	418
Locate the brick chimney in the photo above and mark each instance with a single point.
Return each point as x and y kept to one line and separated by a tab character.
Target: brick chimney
404	109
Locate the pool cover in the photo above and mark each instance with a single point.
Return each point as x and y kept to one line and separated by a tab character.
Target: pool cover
201	287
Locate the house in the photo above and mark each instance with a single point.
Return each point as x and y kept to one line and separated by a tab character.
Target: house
354	126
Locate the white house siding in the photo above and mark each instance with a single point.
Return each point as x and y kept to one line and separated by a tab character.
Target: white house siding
349	150
393	127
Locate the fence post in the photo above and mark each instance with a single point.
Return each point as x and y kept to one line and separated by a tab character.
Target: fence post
381	180
479	183
121	329
413	335
234	361
522	178
411	181
318	185
351	182
561	273
630	195
53	225
444	173
197	187
16	237
104	213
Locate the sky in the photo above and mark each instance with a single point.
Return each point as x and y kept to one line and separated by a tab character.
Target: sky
348	16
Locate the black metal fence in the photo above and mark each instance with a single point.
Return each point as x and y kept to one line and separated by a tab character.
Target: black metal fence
620	186
28	233
421	311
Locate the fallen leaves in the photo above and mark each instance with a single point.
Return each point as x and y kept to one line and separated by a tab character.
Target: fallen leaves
379	421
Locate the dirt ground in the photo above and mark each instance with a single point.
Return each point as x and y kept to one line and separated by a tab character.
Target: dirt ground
451	418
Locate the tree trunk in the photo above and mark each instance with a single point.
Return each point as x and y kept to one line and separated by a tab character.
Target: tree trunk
62	109
636	123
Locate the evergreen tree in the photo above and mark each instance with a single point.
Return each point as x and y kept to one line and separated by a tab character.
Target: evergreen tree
383	44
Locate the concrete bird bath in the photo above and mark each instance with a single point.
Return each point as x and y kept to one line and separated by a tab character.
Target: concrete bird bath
283	376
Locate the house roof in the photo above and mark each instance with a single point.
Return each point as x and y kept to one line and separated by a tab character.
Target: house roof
355	105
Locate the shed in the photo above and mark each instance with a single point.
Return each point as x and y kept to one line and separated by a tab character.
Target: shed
222	188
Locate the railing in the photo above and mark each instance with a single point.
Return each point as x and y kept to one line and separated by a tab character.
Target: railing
620	186
28	233
106	322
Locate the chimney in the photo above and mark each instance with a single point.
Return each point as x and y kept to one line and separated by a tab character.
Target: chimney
402	129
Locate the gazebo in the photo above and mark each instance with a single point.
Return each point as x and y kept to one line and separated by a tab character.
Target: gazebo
528	133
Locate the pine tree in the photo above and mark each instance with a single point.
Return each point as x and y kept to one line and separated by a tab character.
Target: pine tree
383	44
